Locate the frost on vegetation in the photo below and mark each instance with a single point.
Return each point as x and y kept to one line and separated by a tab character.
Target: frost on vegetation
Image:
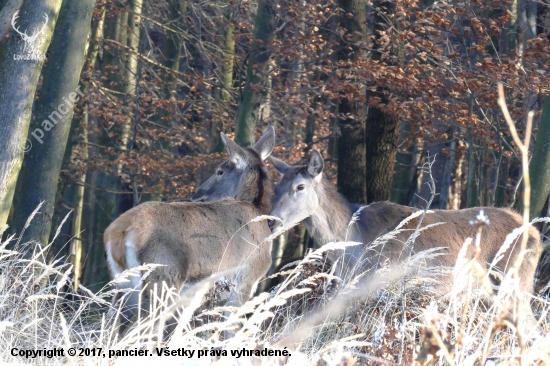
393	315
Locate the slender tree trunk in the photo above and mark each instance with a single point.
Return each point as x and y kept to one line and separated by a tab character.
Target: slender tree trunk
382	129
455	191
351	145
502	183
171	47
227	80
106	202
539	169
473	176
526	24
445	200
18	82
256	74
60	91
131	84
170	58
77	243
403	174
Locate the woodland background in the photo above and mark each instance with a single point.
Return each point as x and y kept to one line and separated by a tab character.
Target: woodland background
380	87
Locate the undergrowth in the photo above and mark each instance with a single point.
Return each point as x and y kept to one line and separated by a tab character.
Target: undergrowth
395	315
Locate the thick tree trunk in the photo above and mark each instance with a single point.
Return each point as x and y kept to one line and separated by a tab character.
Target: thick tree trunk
256	74
60	91
6	15
18	81
351	146
66	188
382	129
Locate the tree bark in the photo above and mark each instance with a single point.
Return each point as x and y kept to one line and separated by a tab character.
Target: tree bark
256	74
60	91
382	129
76	233
227	80
403	174
6	14
539	170
131	78
351	146
472	193
526	24
18	82
66	189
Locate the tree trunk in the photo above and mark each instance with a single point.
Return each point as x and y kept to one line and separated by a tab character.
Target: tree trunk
18	82
6	14
171	47
131	78
76	234
455	189
540	165
227	80
60	91
404	171
526	24
256	74
382	129
502	182
66	188
472	197
351	145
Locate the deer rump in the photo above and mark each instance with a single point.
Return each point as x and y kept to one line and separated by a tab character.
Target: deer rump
192	240
451	234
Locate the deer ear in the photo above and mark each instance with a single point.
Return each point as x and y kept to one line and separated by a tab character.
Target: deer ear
315	164
280	165
237	155
265	144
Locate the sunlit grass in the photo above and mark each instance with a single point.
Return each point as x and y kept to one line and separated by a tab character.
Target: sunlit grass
396	314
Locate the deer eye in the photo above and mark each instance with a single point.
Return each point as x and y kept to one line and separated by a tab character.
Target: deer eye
220	172
300	187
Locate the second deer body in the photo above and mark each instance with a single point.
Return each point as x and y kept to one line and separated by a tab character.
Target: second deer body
303	195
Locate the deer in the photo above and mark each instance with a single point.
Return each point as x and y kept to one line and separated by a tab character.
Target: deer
211	234
304	195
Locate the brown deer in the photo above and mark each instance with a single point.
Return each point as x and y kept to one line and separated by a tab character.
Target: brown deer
303	195
193	240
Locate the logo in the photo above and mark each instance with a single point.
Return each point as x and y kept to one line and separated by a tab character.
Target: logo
31	41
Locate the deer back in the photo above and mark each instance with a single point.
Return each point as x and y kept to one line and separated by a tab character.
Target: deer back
197	239
382	217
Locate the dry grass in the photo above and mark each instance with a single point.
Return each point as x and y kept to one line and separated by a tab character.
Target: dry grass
397	315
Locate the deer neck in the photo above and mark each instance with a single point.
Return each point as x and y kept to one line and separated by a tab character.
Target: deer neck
256	187
331	220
